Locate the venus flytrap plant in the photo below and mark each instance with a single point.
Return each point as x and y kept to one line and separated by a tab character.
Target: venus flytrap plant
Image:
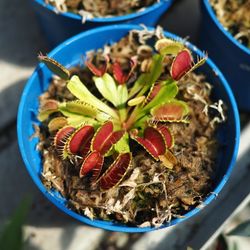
93	131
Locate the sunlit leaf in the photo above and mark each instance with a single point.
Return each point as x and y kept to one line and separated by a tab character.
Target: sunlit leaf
122	93
79	120
77	107
79	90
108	88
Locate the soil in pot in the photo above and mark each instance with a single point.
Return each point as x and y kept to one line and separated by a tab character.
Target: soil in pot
235	17
101	8
139	170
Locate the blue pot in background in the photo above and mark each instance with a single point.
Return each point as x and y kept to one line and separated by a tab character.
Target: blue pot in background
229	54
70	53
59	26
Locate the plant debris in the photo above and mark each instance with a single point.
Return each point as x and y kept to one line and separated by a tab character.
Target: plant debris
151	190
100	8
234	15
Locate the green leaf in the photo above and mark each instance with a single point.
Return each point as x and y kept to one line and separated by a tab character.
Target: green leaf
140	123
57	123
55	67
107	87
242	229
77	107
167	93
145	81
122	93
78	120
200	62
136	101
168	47
138	85
79	90
11	237
122	146
44	114
170	111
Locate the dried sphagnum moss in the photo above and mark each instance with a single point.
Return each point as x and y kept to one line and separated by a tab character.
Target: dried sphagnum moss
150	194
100	8
234	15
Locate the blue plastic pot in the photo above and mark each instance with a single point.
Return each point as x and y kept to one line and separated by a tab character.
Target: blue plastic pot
229	54
69	53
58	27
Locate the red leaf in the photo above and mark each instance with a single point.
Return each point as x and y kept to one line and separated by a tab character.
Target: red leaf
153	92
116	171
80	141
152	141
181	64
172	111
120	76
167	135
62	135
168	159
49	104
118	73
105	138
98	71
93	162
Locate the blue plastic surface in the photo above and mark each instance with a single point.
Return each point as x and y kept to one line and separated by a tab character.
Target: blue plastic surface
69	53
58	27
229	54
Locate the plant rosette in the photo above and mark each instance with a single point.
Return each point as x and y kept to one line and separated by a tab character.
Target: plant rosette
59	22
223	29
134	140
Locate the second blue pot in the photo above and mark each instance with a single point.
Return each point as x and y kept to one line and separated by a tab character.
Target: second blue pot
59	26
230	55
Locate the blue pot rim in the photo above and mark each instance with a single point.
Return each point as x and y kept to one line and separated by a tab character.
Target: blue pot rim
221	27
107	19
111	225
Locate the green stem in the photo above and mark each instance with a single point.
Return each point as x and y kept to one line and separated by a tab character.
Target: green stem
133	118
122	113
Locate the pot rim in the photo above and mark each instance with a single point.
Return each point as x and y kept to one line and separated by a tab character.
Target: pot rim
121	18
221	27
113	226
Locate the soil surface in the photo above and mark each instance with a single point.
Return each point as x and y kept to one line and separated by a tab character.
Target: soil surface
235	17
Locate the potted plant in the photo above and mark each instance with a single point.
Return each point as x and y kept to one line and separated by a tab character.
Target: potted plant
62	21
142	144
226	28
